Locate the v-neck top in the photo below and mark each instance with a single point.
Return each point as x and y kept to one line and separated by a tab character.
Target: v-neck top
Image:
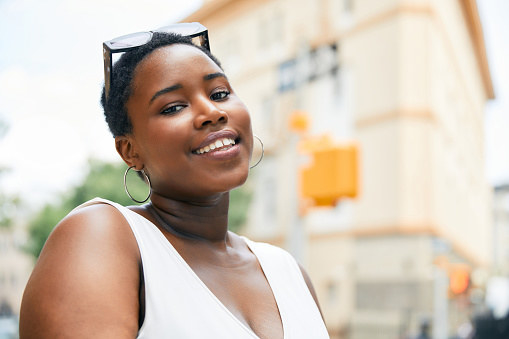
178	304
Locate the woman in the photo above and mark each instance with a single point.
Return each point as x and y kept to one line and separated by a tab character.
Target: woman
170	268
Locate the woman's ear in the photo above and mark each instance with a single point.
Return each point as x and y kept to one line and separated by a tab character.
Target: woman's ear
126	148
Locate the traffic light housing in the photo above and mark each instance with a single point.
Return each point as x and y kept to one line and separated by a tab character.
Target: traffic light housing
459	279
333	173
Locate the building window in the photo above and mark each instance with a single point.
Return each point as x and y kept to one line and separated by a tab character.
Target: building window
348	6
265	201
14	280
347	14
271	30
267	115
315	64
332	293
263	34
287	75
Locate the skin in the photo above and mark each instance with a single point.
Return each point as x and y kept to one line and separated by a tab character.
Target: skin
76	292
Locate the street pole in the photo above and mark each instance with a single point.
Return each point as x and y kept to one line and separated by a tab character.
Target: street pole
440	303
296	240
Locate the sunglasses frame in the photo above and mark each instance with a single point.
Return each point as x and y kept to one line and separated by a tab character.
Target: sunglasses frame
109	47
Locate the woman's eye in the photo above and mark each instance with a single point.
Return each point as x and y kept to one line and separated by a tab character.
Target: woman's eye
172	109
221	95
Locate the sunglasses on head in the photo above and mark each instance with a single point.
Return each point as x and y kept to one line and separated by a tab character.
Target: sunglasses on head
124	43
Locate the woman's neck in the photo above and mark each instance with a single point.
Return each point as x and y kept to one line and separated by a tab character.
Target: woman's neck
204	221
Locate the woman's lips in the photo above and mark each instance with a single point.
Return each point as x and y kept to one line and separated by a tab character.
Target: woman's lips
221	153
217	145
216	138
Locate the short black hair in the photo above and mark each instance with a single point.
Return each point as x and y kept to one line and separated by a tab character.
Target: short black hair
114	107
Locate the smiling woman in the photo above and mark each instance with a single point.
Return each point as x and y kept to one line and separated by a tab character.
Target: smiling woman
169	268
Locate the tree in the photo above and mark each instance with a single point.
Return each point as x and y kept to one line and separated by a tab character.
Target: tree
105	180
8	207
240	199
8	203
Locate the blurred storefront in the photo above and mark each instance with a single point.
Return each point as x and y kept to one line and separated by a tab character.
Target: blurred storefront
15	268
406	81
501	230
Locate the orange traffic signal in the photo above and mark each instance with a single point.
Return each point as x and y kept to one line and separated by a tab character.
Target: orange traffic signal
332	175
299	121
459	279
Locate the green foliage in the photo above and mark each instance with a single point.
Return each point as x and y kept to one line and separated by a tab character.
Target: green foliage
8	207
106	180
240	198
42	225
8	203
103	180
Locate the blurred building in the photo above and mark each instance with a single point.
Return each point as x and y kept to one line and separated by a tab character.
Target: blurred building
407	80
15	268
501	230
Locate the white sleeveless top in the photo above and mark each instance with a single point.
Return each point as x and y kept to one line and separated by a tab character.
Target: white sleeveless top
179	305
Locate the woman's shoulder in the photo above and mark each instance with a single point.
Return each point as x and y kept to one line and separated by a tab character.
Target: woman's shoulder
97	220
90	262
97	207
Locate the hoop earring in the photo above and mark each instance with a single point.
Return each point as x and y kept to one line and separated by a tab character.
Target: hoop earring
147	180
261	157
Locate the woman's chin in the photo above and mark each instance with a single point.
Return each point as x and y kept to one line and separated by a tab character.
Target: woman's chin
235	181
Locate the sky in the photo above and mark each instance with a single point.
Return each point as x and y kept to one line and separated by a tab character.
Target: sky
494	17
51	73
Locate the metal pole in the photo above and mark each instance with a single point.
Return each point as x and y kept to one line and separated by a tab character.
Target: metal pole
440	303
296	240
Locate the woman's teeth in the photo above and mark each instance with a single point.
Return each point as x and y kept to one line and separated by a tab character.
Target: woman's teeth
216	145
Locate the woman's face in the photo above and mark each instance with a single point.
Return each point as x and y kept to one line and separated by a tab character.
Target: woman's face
191	132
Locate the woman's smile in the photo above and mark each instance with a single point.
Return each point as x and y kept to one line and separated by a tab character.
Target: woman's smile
220	145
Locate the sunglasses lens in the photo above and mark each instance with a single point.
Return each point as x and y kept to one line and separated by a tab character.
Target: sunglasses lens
201	40
130	40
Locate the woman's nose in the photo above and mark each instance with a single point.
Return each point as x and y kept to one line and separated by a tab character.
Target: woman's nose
209	114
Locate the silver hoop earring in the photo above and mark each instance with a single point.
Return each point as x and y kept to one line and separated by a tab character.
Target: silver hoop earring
261	157
147	180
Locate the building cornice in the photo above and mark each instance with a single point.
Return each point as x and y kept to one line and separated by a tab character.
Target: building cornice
405	229
213	7
469	9
416	114
471	13
366	231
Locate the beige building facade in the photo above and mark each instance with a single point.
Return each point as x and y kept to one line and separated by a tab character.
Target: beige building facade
407	81
15	268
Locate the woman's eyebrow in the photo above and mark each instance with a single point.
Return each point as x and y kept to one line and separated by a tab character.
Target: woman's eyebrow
166	90
179	86
214	75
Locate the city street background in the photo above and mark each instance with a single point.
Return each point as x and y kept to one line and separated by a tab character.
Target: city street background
51	125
